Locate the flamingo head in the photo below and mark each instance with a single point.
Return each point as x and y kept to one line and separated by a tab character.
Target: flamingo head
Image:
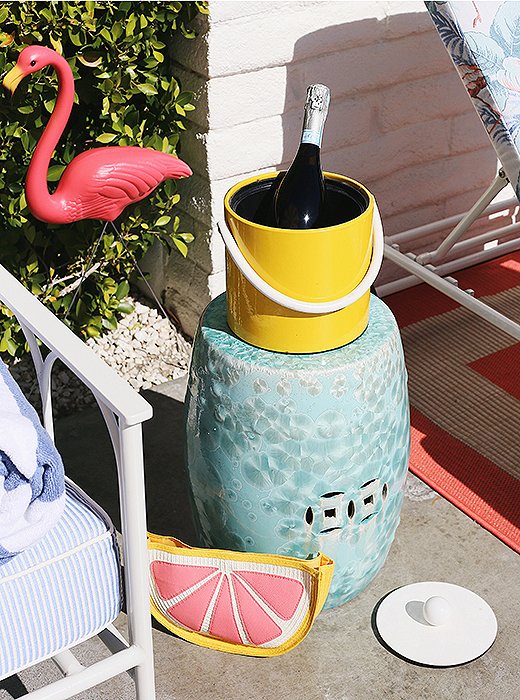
30	60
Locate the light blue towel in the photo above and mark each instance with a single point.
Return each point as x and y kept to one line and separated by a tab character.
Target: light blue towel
32	480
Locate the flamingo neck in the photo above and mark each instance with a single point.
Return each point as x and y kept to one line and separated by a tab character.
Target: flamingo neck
44	206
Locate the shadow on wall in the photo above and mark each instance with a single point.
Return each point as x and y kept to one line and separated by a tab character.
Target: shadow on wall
400	121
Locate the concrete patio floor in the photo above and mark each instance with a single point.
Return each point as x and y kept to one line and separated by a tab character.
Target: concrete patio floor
341	658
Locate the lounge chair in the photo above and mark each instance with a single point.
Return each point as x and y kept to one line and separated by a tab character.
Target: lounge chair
67	587
486	55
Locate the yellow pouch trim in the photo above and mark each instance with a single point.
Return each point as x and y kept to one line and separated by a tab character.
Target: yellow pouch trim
319	570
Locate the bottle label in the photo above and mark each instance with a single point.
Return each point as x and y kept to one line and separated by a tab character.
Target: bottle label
312	136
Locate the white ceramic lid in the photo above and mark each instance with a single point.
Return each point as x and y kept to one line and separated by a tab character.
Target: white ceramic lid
436	623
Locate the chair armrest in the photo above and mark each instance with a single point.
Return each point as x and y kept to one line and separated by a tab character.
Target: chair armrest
115	392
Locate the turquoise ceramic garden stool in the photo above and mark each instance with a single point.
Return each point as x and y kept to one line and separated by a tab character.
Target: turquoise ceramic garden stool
294	454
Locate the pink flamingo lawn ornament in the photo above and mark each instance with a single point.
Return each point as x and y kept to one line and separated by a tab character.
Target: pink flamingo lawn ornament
97	184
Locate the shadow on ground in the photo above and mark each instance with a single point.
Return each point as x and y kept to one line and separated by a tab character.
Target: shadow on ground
85	446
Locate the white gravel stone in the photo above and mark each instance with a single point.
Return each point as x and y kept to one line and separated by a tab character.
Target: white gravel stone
145	349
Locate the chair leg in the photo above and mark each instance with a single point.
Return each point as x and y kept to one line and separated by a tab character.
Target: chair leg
144	680
135	552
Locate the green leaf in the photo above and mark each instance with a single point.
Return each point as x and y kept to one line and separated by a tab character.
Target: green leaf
186	237
109	323
123	288
163	220
54	173
56	45
130	25
75	38
117	30
91	60
147	89
106	138
125	307
92	331
181	246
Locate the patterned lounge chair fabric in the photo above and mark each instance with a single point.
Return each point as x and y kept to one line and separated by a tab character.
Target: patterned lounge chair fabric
483	40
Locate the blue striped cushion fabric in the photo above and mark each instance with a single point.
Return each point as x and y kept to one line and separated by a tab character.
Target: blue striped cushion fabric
61	591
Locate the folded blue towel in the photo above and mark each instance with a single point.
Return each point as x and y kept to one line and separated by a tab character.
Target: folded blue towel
32	480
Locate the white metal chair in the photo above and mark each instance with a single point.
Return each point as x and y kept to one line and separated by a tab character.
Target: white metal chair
124	410
482	43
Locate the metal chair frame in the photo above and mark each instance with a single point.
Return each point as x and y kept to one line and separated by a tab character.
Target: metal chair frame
123	410
428	266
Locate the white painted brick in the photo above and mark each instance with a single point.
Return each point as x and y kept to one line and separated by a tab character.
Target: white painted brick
400	120
468	133
421	100
376	67
411	218
433	182
450	206
228	10
245	147
349	123
271	142
394	151
292	31
245	97
405	18
217	283
459	203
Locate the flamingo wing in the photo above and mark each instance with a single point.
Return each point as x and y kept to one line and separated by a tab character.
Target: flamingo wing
100	183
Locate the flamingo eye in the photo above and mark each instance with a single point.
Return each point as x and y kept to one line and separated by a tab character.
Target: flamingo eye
33	63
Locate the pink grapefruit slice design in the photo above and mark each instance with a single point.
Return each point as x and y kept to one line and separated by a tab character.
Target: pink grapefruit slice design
259	604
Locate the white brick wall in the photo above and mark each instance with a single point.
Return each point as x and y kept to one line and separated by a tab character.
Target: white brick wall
400	120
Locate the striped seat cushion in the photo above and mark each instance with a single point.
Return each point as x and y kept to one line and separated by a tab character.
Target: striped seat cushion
62	590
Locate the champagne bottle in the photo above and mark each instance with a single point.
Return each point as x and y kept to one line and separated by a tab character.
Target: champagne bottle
299	201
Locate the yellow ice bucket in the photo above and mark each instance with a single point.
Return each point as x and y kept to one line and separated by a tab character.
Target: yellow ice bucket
300	291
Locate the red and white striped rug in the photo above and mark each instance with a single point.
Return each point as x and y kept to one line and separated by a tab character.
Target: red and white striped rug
465	395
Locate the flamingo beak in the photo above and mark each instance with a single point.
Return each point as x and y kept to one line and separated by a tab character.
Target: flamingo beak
13	78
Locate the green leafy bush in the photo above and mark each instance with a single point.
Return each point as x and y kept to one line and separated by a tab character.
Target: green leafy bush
125	95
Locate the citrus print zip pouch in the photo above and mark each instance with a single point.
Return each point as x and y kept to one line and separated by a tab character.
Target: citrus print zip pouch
243	603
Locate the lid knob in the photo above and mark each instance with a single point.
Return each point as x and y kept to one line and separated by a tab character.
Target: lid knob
437	611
